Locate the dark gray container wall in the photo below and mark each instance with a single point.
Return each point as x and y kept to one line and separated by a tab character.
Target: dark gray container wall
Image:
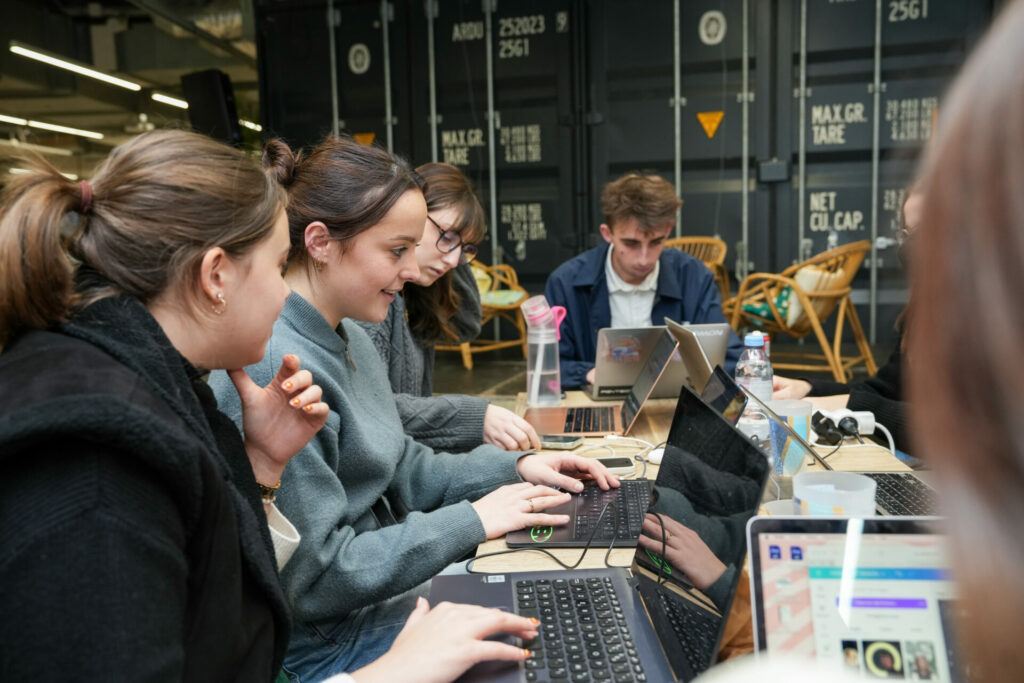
583	92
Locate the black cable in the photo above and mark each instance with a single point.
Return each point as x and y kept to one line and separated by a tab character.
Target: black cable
832	452
664	545
597	525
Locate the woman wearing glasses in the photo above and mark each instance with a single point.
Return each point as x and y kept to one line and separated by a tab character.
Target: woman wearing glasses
443	305
379	514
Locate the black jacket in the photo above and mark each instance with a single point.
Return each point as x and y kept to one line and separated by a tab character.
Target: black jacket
134	546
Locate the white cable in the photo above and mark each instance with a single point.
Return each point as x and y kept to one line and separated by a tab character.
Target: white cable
596	446
616	437
888	435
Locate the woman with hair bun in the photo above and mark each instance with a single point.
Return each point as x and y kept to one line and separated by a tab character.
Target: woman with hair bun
443	306
379	513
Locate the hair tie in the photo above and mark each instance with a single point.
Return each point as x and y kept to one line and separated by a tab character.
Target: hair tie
85	204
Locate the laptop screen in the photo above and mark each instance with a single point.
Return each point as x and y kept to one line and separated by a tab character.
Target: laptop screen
710	482
875	596
655	365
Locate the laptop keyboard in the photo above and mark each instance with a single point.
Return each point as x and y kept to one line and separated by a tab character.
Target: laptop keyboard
901	493
583	633
590	419
631	500
696	629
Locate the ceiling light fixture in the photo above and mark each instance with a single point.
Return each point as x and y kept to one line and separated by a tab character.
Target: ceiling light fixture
77	67
44	149
250	125
42	125
22	171
167	99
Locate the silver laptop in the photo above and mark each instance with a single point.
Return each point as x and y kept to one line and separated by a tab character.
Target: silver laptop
622	351
601	420
872	596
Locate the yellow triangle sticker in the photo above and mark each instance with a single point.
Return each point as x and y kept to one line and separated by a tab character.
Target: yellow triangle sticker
364	138
710	121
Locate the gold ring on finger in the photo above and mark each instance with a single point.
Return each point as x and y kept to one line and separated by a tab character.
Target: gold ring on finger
532	508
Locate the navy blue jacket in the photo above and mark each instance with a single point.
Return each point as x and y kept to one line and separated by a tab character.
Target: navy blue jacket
686	293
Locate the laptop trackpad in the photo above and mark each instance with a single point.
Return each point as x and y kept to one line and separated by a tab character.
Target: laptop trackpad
487	590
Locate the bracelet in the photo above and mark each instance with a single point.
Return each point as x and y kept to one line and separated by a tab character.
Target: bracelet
267	493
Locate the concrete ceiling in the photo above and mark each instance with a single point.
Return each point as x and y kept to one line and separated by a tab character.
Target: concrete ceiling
152	42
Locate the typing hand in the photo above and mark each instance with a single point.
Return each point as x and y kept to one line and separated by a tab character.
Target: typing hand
438	645
517	506
565	471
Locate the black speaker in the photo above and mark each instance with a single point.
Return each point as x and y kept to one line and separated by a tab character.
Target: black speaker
211	105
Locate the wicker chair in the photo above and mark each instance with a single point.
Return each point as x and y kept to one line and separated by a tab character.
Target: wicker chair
798	300
711	251
500	297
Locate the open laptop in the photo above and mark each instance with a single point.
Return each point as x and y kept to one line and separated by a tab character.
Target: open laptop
693	357
897	493
632	496
872	596
601	420
650	624
621	353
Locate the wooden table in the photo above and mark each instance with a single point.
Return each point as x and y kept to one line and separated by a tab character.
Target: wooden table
652	426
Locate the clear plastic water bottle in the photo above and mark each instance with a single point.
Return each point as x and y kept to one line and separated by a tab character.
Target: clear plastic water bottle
754	373
543	379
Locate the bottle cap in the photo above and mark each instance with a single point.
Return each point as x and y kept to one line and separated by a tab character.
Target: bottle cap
753	339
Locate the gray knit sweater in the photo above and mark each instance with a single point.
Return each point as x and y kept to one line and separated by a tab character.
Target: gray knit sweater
345	560
452	422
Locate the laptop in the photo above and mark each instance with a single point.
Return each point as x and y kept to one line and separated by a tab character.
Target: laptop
897	493
631	498
872	596
649	624
693	357
601	420
711	339
622	351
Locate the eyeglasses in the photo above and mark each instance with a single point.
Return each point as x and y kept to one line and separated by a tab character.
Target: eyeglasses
450	240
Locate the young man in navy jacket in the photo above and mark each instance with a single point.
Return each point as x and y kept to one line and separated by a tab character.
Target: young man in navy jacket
632	280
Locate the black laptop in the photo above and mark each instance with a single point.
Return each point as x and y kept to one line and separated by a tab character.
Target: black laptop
649	624
622	523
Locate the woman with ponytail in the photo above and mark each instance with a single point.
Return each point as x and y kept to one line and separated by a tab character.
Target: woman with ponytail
443	306
136	544
379	513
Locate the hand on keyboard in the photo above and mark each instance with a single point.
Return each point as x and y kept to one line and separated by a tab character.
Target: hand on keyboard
565	471
517	506
440	644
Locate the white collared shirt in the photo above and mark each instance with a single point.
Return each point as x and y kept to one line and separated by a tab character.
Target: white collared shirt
630	305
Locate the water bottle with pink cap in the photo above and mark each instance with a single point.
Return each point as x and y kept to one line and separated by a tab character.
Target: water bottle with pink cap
543	381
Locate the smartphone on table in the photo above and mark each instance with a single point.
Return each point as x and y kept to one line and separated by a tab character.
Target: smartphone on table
618	465
560	442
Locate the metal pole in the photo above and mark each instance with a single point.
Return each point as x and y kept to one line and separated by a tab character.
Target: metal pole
677	113
385	17
745	215
332	24
804	248
431	8
875	128
492	123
